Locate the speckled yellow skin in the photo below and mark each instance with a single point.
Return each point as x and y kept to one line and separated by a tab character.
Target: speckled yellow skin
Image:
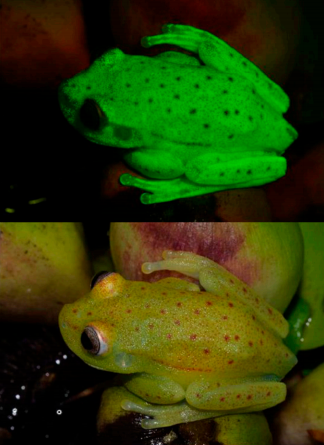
191	354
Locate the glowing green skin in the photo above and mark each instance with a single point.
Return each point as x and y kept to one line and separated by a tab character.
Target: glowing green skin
190	355
197	127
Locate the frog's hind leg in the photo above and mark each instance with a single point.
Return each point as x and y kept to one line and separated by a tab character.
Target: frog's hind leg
243	397
216	53
215	279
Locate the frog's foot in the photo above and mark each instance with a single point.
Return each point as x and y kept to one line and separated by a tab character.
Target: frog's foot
166	190
166	415
215	279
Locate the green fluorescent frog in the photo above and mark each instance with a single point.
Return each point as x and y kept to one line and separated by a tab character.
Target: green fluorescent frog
186	354
193	125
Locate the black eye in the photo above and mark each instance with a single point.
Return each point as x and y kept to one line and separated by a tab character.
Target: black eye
92	341
91	115
99	277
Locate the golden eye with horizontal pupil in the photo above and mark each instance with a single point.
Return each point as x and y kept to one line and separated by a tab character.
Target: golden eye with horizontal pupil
99	277
92	341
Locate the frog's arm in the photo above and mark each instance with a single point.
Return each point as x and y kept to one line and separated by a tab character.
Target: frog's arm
168	190
218	54
217	280
154	389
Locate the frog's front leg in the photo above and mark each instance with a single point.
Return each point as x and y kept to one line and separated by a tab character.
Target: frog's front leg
166	190
166	415
218	54
154	389
244	397
154	163
247	170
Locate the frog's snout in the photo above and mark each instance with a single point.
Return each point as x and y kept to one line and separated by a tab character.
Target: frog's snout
91	115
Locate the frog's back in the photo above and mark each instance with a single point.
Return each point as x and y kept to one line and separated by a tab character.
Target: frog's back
205	103
196	331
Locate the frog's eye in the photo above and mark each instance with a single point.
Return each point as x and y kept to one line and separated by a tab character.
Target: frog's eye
93	341
91	115
99	277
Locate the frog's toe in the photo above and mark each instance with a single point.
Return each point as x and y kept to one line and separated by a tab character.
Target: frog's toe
147	198
145	42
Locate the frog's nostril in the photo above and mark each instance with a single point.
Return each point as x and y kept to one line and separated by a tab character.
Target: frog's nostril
91	114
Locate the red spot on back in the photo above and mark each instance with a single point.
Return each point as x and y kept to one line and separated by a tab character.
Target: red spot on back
179	304
238	396
164	293
230	304
262	332
163	311
89	313
227	294
198	396
249	397
224	317
226	337
253	317
169	336
270	311
261	342
268	393
222	399
129	311
197	311
147	306
177	322
208	303
257	300
237	337
206	351
142	288
250	343
231	281
74	311
193	337
151	325
286	354
244	290
137	329
230	362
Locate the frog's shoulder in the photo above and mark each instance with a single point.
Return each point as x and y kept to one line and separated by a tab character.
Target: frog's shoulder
178	58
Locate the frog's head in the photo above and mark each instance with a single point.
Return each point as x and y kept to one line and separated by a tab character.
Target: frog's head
86	328
87	102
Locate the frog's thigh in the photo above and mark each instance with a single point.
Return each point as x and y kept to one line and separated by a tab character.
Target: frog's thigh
244	397
216	53
219	281
155	389
155	163
246	172
176	283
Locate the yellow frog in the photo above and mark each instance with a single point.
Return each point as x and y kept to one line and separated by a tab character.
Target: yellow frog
188	354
